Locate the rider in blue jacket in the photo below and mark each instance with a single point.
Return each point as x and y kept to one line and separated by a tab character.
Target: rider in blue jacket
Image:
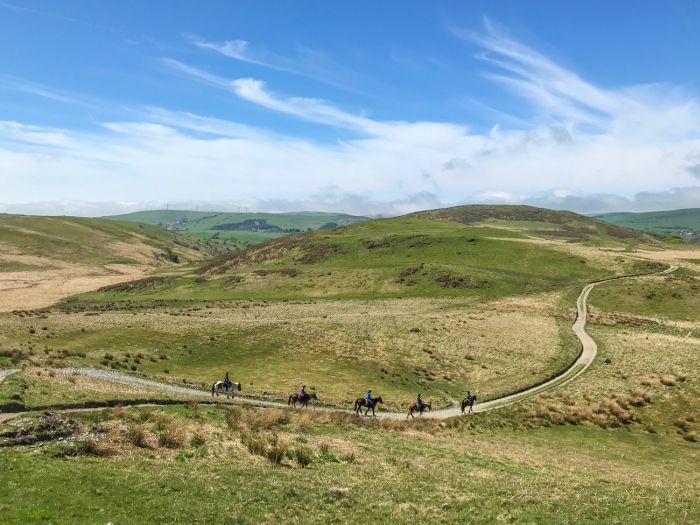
368	398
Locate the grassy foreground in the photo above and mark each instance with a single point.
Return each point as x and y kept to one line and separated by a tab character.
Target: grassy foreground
247	466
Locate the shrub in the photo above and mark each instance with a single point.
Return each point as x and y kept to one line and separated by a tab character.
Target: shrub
349	457
256	445
682	424
234	418
266	419
197	440
275	453
84	447
326	454
303	456
172	437
137	436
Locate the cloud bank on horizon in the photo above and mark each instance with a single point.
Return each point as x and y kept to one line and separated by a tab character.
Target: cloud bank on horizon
581	145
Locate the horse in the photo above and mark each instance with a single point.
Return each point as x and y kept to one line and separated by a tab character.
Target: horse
414	406
362	402
468	402
294	399
230	388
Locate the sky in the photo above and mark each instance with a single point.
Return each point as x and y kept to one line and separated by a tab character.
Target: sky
360	107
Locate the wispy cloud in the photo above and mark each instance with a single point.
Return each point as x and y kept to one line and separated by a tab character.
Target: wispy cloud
315	110
306	62
195	72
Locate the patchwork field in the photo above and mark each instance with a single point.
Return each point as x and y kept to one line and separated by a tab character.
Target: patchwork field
238	229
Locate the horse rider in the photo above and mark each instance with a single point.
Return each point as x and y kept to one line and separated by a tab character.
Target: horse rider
468	397
227	381
302	393
368	398
420	403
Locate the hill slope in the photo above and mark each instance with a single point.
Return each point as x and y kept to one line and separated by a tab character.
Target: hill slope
539	221
684	223
45	258
501	251
240	229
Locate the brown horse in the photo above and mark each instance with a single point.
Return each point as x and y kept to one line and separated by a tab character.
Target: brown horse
414	407
362	402
294	399
468	402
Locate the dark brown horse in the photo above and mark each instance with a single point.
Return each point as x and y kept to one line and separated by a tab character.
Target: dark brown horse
295	398
413	407
468	402
362	402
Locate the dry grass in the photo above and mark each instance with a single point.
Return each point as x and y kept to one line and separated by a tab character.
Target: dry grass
493	347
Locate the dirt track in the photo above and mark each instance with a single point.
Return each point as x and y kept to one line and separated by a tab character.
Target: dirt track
587	356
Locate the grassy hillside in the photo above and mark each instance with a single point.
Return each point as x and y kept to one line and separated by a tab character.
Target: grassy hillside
683	223
240	229
90	241
477	298
432	254
408	303
539	221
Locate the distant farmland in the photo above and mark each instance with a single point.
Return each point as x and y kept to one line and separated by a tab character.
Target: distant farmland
239	229
681	223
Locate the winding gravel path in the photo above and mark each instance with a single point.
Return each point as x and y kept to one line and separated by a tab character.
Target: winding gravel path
587	356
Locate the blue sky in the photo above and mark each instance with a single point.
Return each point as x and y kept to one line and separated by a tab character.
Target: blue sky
365	107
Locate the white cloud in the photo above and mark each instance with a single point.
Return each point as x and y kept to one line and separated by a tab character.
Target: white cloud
306	62
588	148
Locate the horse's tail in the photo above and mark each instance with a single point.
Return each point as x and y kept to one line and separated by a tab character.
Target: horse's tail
213	387
289	402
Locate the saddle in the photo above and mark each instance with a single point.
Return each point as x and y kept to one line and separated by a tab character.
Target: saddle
228	384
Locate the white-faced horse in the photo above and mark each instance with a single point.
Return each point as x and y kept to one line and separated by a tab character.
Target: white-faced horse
229	389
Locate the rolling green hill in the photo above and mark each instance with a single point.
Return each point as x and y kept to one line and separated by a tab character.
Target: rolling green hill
539	221
92	241
420	255
683	223
240	229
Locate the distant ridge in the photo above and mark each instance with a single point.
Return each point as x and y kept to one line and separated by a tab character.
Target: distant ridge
242	229
684	223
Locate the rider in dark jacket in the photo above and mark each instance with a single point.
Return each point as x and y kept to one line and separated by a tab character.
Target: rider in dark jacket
227	381
420	403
